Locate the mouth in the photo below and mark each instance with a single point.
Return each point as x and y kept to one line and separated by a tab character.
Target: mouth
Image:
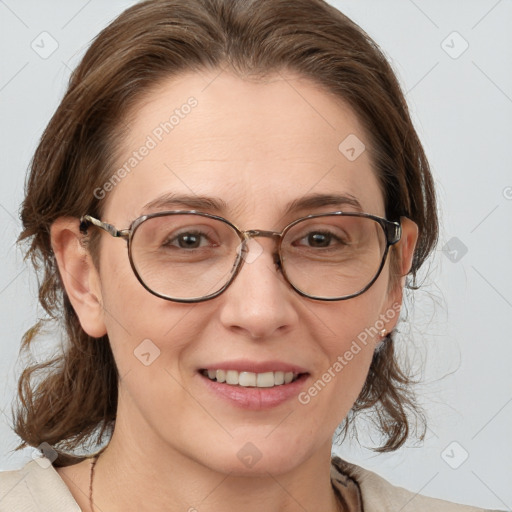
248	379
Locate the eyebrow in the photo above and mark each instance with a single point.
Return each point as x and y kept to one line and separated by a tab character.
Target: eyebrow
196	202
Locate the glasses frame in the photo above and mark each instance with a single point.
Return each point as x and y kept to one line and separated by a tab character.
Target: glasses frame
392	231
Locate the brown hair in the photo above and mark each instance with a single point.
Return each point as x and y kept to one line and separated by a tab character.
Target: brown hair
70	399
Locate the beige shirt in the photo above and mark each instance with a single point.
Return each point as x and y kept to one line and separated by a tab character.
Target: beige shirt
37	487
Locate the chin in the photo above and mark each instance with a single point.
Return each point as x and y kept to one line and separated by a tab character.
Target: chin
260	457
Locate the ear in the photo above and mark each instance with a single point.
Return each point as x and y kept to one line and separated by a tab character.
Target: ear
78	274
404	253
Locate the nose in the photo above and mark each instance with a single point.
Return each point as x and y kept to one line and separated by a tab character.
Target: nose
259	303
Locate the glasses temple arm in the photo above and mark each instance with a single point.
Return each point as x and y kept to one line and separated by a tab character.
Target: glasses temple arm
393	232
86	220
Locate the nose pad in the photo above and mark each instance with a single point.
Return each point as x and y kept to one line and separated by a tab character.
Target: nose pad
251	250
277	261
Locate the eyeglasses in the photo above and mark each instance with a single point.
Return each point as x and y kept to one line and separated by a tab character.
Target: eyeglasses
192	256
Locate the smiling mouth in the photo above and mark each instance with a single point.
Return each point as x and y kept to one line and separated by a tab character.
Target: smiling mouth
251	379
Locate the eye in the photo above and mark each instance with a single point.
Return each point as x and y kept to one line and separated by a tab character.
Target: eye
321	239
189	240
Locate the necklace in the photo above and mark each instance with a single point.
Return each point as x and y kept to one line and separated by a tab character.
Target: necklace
94	460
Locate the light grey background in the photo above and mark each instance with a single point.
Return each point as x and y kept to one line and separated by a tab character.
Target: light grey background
459	328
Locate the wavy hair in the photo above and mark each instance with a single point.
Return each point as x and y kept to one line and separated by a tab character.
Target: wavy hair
71	398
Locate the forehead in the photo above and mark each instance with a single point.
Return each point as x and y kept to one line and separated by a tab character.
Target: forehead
256	145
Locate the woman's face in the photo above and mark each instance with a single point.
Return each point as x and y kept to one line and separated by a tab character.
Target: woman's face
256	147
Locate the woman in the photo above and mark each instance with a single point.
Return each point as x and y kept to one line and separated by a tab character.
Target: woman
259	161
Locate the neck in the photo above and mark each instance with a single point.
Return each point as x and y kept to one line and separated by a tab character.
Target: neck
172	481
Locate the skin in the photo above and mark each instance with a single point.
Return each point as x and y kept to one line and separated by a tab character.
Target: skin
258	146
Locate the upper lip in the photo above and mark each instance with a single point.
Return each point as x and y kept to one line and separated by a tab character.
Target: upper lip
243	365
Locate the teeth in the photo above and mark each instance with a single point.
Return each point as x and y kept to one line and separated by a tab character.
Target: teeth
265	380
250	379
232	377
246	379
279	378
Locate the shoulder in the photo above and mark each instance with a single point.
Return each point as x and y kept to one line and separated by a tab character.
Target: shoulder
379	495
37	487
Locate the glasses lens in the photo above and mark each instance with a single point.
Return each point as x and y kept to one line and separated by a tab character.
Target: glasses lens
333	256
184	256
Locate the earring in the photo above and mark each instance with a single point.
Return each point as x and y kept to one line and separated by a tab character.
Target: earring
383	333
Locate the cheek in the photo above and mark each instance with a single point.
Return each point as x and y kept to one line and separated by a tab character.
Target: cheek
339	384
352	323
350	334
141	327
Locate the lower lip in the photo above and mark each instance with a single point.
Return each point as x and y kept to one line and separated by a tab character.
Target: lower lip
253	398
